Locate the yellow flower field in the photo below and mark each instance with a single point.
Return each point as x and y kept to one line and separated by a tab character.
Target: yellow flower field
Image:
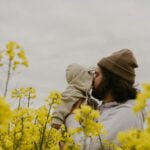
26	128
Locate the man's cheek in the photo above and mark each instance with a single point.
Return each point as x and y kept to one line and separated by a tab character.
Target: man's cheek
96	83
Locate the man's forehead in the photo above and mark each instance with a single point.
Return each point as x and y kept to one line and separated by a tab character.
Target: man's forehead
98	69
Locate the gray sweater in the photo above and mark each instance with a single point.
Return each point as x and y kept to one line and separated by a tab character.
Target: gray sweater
115	118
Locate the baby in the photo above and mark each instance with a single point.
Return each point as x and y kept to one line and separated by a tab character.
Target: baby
79	84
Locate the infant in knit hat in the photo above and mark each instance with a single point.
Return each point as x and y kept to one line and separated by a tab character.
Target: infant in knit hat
79	84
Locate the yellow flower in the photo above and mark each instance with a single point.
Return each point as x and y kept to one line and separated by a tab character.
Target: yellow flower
11	54
13	50
24	93
86	116
18	93
55	95
141	99
8	143
140	102
94	114
30	93
129	139
146	87
25	63
11	45
42	115
21	54
15	64
54	98
4	111
86	109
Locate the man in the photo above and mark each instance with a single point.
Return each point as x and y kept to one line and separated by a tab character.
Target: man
114	86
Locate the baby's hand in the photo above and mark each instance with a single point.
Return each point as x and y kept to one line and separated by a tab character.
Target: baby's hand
56	126
77	104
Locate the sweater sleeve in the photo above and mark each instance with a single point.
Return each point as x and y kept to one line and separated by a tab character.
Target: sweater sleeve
63	110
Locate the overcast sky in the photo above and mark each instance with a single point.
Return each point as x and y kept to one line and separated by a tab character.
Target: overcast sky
55	33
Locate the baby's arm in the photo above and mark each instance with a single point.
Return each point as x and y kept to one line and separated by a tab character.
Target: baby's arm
60	113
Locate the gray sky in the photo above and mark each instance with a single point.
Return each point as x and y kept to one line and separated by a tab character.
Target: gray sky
55	33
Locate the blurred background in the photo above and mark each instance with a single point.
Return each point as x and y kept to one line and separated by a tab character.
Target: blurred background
55	33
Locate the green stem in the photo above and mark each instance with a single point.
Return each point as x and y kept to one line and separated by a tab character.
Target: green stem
19	103
84	143
8	78
35	145
22	120
35	121
48	138
44	129
90	143
14	143
102	148
29	99
8	128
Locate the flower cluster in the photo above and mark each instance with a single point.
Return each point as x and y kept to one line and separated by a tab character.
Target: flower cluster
25	128
16	55
11	58
67	140
54	98
28	93
86	116
4	111
141	100
134	139
138	139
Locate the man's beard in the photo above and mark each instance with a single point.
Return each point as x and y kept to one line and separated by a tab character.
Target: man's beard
99	92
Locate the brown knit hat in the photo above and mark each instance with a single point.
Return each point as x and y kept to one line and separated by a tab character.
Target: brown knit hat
121	63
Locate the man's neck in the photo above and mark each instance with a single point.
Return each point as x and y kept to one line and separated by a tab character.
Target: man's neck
108	99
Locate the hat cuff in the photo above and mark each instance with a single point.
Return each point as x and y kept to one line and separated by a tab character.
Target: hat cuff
117	69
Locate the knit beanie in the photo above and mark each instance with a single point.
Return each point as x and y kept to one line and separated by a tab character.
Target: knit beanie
121	63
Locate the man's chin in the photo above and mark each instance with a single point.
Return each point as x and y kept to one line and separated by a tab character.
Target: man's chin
97	95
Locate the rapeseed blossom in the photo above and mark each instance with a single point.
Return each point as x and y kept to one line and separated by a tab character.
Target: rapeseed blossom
142	97
54	98
86	116
26	128
16	55
28	93
4	111
138	139
13	56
